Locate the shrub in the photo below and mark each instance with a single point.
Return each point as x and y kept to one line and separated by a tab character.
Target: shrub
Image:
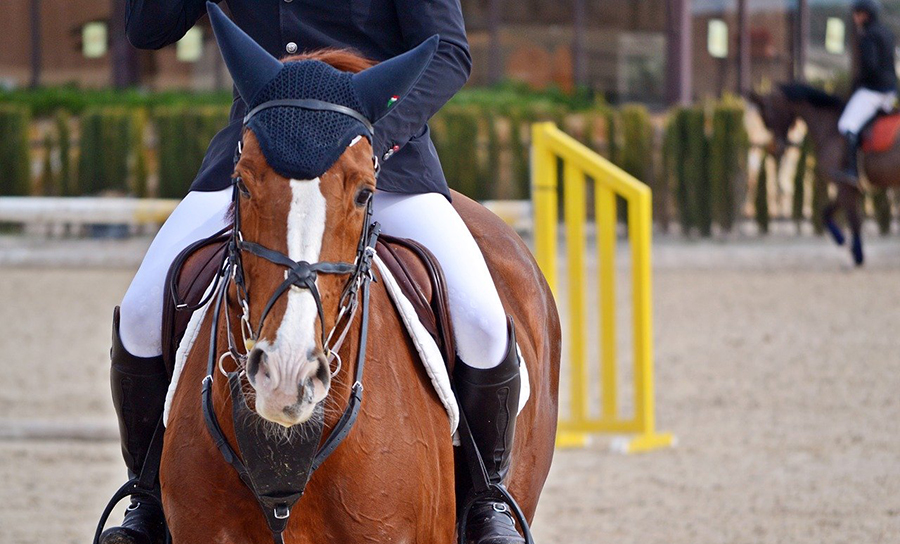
183	135
727	159
15	167
47	185
819	198
106	148
882	206
64	148
489	175
519	154
800	183
637	139
762	196
686	162
458	148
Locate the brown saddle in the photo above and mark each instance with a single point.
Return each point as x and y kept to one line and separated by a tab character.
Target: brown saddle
881	133
415	268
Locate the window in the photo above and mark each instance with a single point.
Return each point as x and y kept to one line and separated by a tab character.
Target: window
190	47
717	39
94	42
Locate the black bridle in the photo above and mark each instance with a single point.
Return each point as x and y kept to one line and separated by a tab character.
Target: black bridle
277	474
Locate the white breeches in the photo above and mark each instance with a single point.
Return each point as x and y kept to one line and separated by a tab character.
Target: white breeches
479	320
198	216
863	106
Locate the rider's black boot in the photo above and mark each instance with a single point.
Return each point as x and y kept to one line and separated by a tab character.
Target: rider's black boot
139	386
490	401
849	174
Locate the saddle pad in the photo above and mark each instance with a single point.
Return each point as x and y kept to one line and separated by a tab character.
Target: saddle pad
430	354
883	133
427	348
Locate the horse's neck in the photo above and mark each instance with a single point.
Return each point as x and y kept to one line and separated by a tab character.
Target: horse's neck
821	124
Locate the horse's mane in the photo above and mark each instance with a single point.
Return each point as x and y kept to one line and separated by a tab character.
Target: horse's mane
346	60
801	92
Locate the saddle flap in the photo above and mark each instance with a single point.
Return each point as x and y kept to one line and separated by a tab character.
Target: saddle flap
420	277
188	278
882	133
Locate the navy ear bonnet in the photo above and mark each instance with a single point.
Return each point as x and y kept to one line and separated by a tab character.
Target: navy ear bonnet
330	108
300	143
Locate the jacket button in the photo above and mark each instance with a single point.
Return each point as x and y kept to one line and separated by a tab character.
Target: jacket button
288	1
291	47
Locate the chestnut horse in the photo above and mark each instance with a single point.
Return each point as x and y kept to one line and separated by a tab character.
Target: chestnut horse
820	112
392	479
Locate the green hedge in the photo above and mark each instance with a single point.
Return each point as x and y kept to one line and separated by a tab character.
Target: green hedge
799	195
504	99
64	179
728	148
45	102
687	162
107	147
761	201
183	135
881	204
15	170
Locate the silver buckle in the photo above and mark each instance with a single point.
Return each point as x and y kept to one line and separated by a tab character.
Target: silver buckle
281	511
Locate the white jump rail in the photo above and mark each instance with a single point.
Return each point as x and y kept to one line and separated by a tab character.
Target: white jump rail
145	211
85	210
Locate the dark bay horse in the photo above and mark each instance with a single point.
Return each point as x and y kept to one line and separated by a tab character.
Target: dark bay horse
820	112
392	479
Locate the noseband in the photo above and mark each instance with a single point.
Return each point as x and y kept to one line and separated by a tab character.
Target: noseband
277	473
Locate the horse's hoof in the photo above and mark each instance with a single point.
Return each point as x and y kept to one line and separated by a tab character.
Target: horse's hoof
835	232
857	251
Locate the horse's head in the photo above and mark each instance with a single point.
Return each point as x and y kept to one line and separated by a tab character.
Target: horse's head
779	115
304	180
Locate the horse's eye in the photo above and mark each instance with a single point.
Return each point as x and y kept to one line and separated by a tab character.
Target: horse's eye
363	197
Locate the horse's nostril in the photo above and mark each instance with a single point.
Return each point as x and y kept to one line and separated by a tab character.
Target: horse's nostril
307	390
255	362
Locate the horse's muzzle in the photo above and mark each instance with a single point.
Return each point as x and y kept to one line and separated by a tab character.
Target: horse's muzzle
287	390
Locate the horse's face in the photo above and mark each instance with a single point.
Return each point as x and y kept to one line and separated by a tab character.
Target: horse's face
308	220
779	116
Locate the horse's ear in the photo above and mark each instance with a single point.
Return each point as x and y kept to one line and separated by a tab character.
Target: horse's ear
384	85
251	66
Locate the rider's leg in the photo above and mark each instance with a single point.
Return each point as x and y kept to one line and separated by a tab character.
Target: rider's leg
862	108
198	216
487	375
850	201
138	378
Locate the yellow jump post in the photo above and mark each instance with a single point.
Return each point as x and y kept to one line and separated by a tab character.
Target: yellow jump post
548	144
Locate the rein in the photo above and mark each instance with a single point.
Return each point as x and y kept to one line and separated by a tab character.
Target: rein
262	468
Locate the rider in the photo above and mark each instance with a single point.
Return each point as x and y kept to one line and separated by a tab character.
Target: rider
875	85
413	201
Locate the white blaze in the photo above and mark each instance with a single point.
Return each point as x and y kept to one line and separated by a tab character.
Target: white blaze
295	338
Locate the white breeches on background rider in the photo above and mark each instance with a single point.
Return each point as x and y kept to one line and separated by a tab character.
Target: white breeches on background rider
479	320
863	106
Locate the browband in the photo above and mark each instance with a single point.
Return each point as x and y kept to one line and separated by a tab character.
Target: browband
312	104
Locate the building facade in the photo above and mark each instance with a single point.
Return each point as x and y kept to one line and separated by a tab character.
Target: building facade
618	48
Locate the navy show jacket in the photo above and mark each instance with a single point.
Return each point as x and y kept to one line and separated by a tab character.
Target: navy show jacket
379	29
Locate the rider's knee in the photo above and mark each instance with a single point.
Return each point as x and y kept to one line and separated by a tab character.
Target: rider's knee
141	322
481	334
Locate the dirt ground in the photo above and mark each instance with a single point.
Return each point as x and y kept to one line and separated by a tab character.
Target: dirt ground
777	370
